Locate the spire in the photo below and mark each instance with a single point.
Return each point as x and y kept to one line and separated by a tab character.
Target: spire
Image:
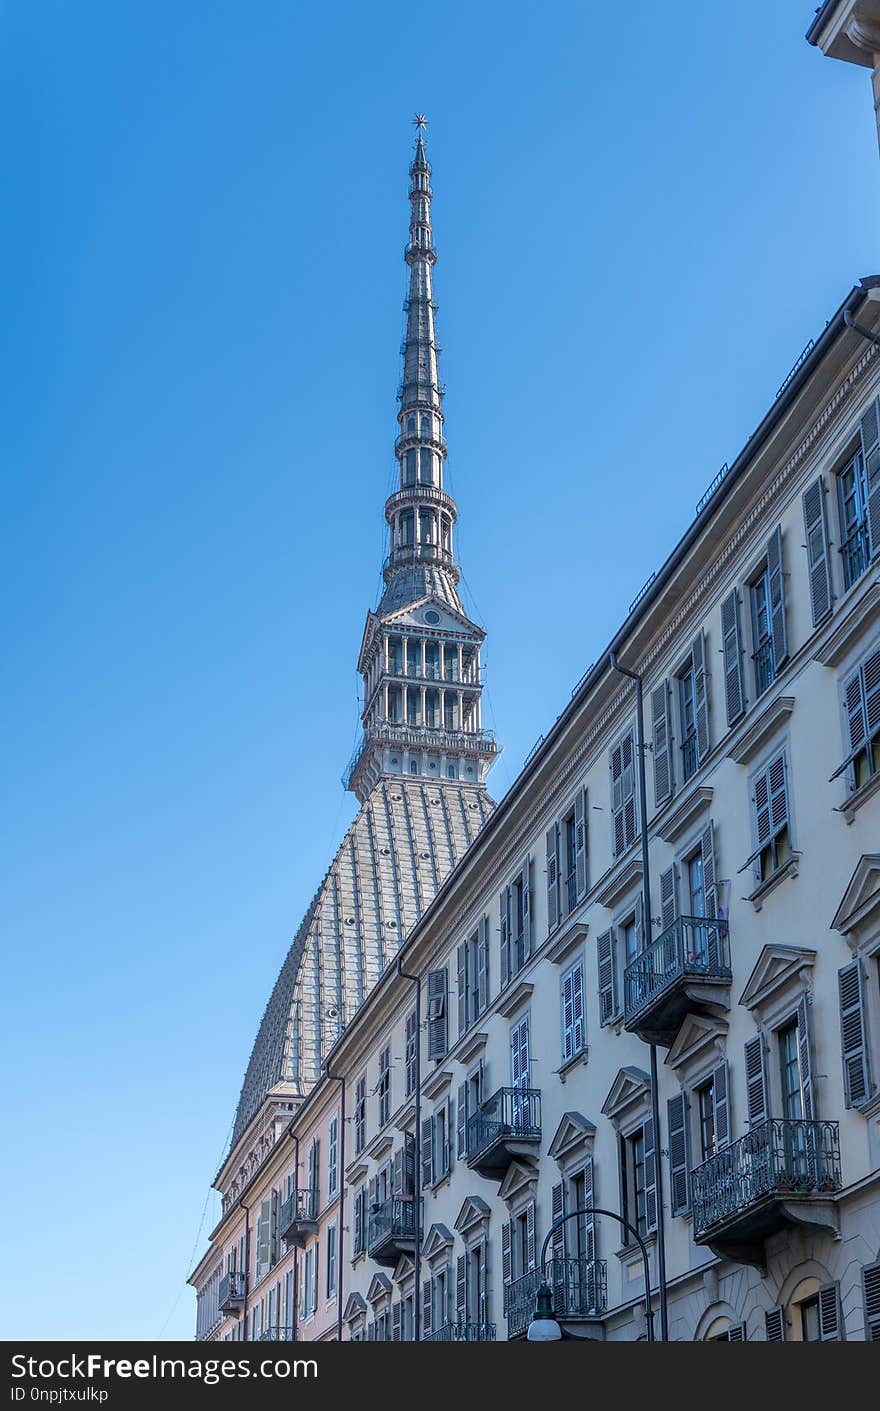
420	658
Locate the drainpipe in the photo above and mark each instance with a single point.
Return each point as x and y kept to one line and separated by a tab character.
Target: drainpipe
417	1158
294	1325
247	1264
340	1242
648	924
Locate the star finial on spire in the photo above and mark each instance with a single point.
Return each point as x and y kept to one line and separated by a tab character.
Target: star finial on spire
420	122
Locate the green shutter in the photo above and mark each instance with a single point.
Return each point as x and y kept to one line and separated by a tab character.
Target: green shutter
856	1082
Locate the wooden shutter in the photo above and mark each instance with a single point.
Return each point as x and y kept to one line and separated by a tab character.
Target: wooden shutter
776	580
756	1083
721	1092
504	904
710	877
805	1048
557	1210
774	1324
854	706
527	904
449	1149
427	1153
397	1322
650	1176
567	1016
462	967
736	1332
668	903
264	1237
606	946
661	736
461	1130
871	685
623	804
732	649
578	1006
856	1081
397	1177
461	1289
870	433
427	1303
531	1240
588	1222
437	1032
506	1252
701	698
818	555
871	1295
482	998
553	877
677	1126
830	1319
482	1311
580	843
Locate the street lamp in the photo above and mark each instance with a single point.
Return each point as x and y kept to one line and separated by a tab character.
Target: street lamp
544	1327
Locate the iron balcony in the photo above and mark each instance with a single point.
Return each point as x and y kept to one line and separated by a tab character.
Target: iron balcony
232	1289
579	1287
299	1217
391	1230
685	971
462	1332
277	1335
506	1126
782	1172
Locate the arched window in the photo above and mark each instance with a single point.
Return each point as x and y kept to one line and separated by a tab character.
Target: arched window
426	527
426	467
432	710
426	427
409	471
407	527
410	426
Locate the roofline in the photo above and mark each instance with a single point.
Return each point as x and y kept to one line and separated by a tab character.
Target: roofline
835	326
818	20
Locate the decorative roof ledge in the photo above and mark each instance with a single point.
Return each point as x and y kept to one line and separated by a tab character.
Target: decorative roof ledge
405	1119
469	1047
759	732
356	1171
858	619
683	817
568	937
513	999
615	885
437	1083
382	1144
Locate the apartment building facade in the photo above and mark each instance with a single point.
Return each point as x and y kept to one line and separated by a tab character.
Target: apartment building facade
498	1075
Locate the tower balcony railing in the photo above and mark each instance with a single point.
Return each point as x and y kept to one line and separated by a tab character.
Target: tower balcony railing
231	1292
421	553
685	970
421	438
766	1180
424	494
475	742
505	1126
470	676
462	1332
579	1288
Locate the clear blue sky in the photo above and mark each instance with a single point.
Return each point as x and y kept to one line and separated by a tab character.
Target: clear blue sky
641	220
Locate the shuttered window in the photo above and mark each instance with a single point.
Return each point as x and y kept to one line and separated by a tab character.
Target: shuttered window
774	1324
731	645
871	1297
360	1115
771	826
383	1088
661	738
853	1034
472	967
606	950
412	1034
861	706
679	1153
624	814
332	1156
818	553
573	1011
756	1081
516	923
437	1025
869	429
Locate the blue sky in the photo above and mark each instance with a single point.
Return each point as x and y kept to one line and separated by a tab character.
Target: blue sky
641	220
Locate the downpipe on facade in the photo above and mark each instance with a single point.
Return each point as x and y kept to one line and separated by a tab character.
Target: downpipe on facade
417	1157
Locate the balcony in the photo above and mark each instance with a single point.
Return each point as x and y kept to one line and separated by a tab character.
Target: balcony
507	1126
391	1230
232	1290
782	1173
462	1332
580	1293
299	1217
685	971
277	1335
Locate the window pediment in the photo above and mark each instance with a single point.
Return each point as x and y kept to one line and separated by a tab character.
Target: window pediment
355	1308
437	1241
520	1182
403	1269
777	976
698	1047
617	883
630	1089
574	1137
862	896
380	1287
472	1215
514	998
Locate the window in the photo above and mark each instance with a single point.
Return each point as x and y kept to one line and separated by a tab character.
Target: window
442	1142
706	1109
624	814
359	1240
450	771
770	819
861	704
790	1071
762	642
438	1034
309	1297
809	1311
573	1011
570	855
360	1115
313	1173
332	1156
473	975
567	861
519	1244
411	1052
331	1260
383	1087
636	1157
516	923
630	941
409	477
852	504
687	712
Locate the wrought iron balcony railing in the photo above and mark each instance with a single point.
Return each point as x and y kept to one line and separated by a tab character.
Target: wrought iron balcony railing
480	742
511	1112
693	947
856	552
462	1332
765	667
579	1286
779	1157
231	1291
394	1220
301	1206
277	1335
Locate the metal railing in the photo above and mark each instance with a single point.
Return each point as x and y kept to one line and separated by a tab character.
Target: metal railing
696	947
689	758
511	1112
232	1287
423	737
426	552
394	1220
765	667
579	1287
462	1332
301	1205
782	1156
276	1335
856	553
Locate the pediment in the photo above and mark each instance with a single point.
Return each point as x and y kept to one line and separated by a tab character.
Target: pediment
438	1239
474	1212
403	1269
776	967
413	615
521	1177
355	1308
629	1087
370	626
380	1287
575	1132
697	1036
862	894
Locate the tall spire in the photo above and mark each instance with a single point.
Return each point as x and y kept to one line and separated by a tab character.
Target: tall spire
420	629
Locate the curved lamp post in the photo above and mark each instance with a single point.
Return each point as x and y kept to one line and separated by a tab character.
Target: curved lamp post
544	1327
